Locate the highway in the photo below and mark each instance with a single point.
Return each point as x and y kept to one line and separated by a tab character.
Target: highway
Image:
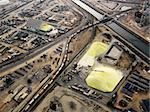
37	97
47	86
29	55
50	83
15	9
87	8
137	44
127	2
25	104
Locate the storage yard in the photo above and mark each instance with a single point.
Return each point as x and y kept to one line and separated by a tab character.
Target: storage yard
74	56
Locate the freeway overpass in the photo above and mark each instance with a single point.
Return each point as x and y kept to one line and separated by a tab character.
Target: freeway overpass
139	46
87	8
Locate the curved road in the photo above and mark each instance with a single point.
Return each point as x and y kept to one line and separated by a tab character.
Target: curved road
48	86
24	106
27	56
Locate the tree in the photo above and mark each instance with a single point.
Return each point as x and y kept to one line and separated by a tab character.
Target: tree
29	81
72	105
53	105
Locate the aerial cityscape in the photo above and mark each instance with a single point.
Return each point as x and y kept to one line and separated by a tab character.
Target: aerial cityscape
74	56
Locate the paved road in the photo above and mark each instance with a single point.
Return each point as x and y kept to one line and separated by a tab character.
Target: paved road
137	44
49	85
83	22
28	106
13	11
127	2
87	8
27	56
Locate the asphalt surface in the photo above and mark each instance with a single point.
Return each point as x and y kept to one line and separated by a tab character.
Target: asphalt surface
50	86
42	50
28	106
33	103
83	22
51	83
137	44
27	56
